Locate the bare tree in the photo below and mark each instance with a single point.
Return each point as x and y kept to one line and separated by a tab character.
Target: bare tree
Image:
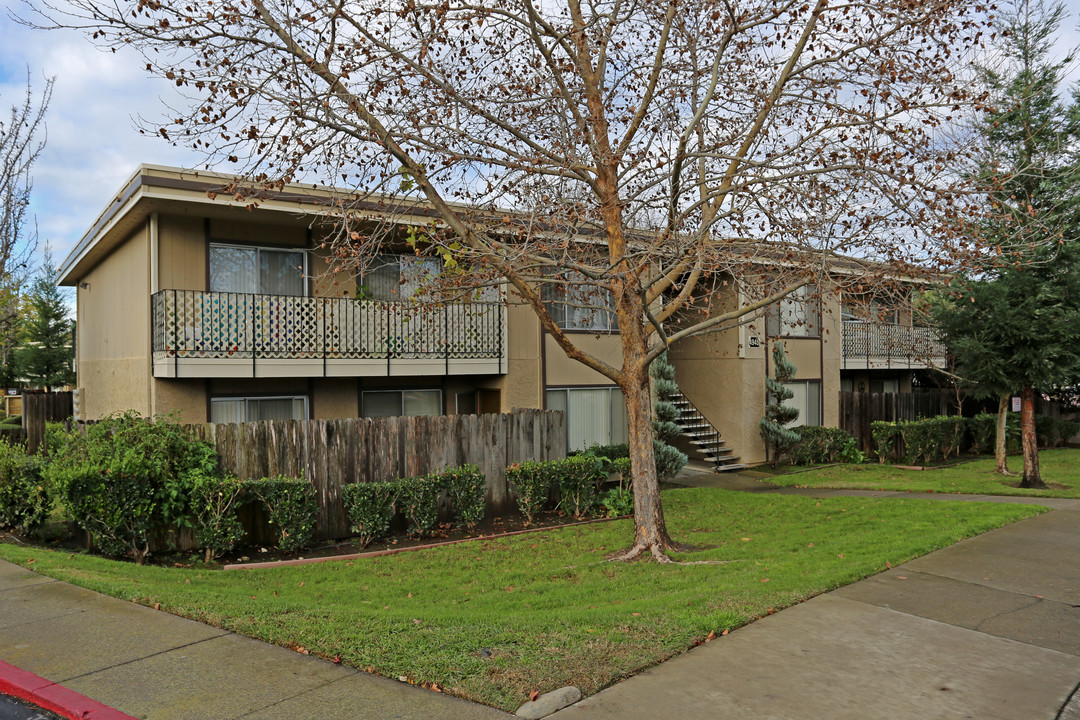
656	153
21	142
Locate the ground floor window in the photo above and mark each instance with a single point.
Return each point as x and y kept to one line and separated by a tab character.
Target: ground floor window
251	409
395	403
808	401
594	416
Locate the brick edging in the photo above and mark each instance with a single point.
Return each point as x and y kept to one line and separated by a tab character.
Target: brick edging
51	696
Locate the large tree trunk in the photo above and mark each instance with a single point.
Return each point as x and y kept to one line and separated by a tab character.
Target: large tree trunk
1001	466
650	529
1032	477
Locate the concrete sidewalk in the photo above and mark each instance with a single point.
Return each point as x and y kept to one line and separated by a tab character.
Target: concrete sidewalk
988	629
151	664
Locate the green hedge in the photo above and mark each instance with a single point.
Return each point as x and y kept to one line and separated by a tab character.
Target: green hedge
371	506
214	501
939	438
820	445
25	502
531	482
290	507
125	479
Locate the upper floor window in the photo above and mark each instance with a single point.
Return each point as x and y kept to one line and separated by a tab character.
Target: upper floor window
258	270
580	306
396	278
872	312
797	315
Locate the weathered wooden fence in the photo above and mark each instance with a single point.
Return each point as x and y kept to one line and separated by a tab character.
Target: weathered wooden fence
333	453
859	409
40	407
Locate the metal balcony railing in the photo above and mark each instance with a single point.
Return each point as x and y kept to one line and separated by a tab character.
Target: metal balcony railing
888	344
244	326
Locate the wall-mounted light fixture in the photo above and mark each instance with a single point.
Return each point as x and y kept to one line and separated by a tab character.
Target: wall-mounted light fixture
84	285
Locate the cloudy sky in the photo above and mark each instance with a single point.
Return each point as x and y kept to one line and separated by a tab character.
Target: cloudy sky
93	146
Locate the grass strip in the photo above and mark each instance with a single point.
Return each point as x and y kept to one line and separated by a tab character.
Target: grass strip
492	620
1060	470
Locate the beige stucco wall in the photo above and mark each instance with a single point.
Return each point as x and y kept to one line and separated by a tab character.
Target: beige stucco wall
522	386
335	398
181	253
114	330
243	230
187	397
561	371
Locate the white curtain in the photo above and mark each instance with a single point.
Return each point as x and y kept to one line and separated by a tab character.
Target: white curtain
227	411
233	269
588	417
281	272
256	270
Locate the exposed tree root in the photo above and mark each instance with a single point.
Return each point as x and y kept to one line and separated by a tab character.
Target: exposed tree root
657	554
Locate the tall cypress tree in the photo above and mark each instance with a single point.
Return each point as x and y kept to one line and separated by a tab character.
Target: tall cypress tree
44	359
778	438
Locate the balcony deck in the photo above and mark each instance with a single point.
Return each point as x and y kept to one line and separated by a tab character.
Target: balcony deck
883	346
200	334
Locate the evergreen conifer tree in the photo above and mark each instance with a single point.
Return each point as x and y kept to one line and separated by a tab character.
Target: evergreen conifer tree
669	460
778	438
45	356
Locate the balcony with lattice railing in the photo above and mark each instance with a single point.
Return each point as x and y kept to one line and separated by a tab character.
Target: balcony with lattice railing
200	334
882	346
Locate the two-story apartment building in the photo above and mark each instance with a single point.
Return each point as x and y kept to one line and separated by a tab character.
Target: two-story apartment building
188	301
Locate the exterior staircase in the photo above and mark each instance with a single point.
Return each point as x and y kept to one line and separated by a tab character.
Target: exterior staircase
703	436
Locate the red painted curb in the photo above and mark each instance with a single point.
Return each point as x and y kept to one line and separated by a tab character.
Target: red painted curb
412	548
53	697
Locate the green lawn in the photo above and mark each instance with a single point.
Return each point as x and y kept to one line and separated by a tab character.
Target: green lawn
1060	469
546	606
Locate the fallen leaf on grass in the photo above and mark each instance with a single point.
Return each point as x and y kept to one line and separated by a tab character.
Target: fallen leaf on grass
710	637
533	695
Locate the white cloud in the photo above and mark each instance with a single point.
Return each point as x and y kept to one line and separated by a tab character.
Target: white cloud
93	144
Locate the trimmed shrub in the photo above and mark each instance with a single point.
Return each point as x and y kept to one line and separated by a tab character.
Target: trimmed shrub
531	482
1067	430
579	481
1052	432
885	434
981	430
214	501
825	445
417	498
125	479
623	467
290	507
611	452
370	508
465	486
669	460
25	502
616	501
